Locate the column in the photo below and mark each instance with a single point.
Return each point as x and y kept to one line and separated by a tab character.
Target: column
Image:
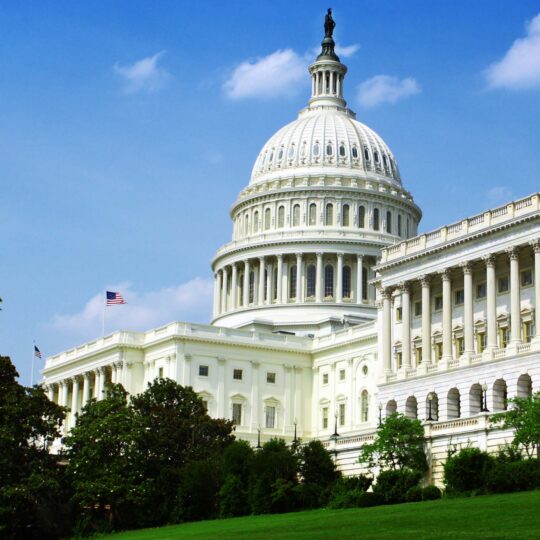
120	370
74	401
224	290
387	329
468	321
97	383
331	83
261	280
318	279
285	284
491	303
50	392
515	301
339	292
217	295
245	300
234	286
86	388
101	390
279	278
299	273
426	320
359	279
64	393
113	373
447	315
255	285
270	283
406	325
536	248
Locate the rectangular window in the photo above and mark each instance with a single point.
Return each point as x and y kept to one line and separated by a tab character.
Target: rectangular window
481	290
459	297
526	278
342	414
481	341
341	374
418	355
325	418
438	350
460	346
203	371
205	405
160	373
527	327
237	414
270	417
438	303
399	359
503	284
399	314
237	374
417	309
325	378
503	337
271	378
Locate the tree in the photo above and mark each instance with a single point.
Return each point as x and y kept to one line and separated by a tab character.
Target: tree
399	445
31	484
524	418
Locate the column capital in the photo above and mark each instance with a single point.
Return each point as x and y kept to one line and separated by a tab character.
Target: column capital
340	254
279	256
299	254
86	375
319	254
466	266
386	292
425	280
489	260
261	259
446	274
404	286
535	244
512	253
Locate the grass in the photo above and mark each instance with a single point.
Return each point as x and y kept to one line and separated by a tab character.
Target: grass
514	515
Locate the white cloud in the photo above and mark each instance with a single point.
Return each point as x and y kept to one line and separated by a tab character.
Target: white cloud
274	75
520	66
346	51
144	75
498	194
385	89
190	301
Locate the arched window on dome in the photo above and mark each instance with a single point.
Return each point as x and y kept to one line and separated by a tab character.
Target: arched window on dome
329	149
316	150
399	225
281	217
376	156
256	221
251	287
366	153
364	406
296	215
328	281
271	158
346	274
246	224
376	224
346	216
290	153
354	152
311	275
361	217
313	214
292	282
280	154
389	222
267	219
385	161
329	214
303	151
341	150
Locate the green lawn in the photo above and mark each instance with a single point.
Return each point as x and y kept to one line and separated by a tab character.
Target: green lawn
498	516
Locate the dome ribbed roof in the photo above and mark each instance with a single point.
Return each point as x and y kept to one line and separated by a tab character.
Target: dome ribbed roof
329	140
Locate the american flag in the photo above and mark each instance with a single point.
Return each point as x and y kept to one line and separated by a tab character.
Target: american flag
114	298
37	352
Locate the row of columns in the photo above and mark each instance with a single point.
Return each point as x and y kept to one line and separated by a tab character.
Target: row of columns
318	83
468	310
223	301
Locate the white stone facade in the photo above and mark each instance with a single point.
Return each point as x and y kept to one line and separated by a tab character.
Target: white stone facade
329	311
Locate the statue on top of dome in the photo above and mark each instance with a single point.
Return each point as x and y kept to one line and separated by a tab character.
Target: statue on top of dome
329	24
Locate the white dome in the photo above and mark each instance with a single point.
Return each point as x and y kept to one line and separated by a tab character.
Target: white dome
326	138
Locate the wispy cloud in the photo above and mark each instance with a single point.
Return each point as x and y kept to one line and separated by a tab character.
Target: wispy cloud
190	301
385	89
520	66
144	75
274	75
498	194
346	51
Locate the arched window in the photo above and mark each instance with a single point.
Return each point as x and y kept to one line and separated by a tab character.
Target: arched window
364	406
329	280
329	149
316	150
342	150
329	215
524	386
399	226
354	152
391	407
292	282
376	156
267	219
280	155
313	214
281	217
500	395
376	225
296	215
475	399
364	283
385	161
432	407
290	154
361	217
389	221
256	221
246	225
346	282
251	287
453	404
411	408
366	153
311	279
346	216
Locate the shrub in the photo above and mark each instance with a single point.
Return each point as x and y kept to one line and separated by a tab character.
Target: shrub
233	498
510	476
431	493
467	471
414	494
393	485
366	500
348	491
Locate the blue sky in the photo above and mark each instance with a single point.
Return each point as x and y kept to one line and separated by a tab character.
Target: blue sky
128	128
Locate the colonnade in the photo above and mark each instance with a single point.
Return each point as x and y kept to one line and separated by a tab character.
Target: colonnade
452	280
294	279
327	83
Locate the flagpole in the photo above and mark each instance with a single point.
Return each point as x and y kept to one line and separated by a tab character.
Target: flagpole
103	319
33	358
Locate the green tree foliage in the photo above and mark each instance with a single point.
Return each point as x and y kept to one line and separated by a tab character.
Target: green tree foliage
524	418
31	484
467	471
399	445
394	484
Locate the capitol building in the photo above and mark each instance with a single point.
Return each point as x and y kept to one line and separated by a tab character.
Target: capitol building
331	312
